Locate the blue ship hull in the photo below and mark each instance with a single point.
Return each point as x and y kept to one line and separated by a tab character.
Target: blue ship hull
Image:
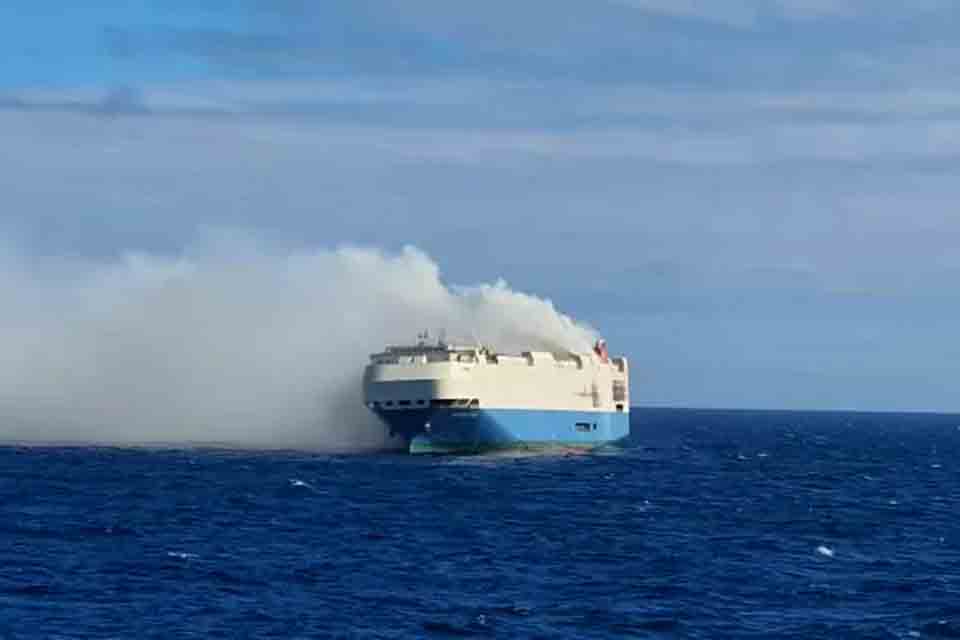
477	430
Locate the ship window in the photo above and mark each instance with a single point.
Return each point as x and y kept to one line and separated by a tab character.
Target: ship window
619	407
419	401
389	403
474	404
583	426
404	403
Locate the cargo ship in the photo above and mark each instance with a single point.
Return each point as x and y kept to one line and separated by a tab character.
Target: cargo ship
460	398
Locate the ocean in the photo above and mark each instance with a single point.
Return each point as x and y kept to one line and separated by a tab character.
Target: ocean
709	524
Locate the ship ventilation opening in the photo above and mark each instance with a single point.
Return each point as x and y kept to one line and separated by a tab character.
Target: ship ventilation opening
455	403
619	391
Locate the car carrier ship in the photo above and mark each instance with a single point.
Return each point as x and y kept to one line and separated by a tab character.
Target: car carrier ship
457	398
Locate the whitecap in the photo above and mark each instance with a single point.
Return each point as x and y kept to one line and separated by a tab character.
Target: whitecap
294	482
181	554
825	551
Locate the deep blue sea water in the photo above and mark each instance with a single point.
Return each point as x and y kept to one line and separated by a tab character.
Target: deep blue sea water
712	524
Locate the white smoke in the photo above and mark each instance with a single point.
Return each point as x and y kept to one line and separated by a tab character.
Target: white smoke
236	345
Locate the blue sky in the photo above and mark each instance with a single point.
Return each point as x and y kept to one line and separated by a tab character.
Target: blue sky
756	200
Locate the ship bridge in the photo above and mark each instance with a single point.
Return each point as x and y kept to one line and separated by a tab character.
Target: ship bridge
424	376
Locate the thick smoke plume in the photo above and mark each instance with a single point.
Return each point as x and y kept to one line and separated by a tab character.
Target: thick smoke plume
238	346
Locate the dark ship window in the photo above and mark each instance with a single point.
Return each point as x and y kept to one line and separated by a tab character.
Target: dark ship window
619	407
619	391
583	426
455	402
404	403
419	401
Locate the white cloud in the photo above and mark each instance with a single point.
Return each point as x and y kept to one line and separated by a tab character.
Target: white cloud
740	14
747	13
708	128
